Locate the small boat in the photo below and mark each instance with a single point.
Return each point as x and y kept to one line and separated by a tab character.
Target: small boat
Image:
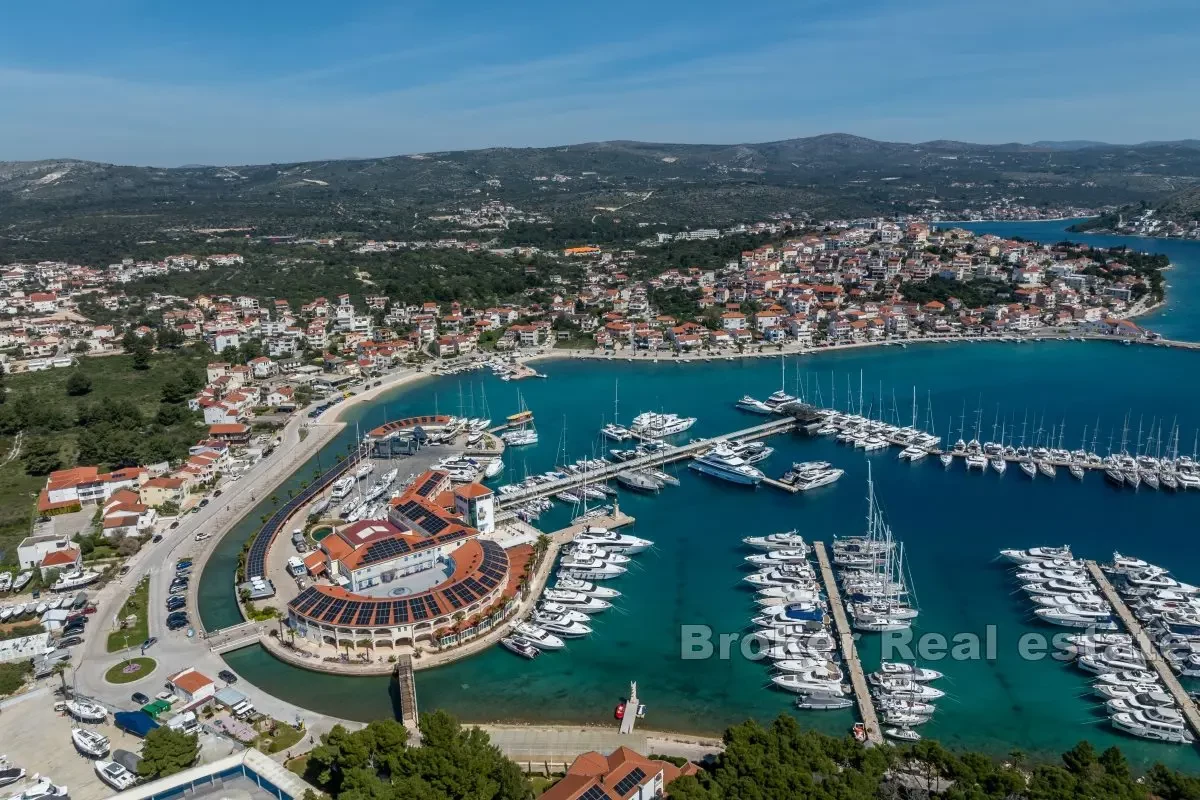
823	701
84	711
902	734
41	789
90	743
521	646
22	580
9	774
115	775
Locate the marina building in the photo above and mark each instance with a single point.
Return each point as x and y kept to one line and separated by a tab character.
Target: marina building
622	775
415	576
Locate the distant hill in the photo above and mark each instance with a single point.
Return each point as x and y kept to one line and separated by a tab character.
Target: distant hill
638	183
1071	144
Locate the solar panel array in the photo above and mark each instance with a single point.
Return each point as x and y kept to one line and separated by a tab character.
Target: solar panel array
595	793
424	518
626	784
256	558
369	612
429	483
384	550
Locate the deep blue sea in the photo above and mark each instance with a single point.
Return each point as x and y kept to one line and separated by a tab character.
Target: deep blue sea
952	525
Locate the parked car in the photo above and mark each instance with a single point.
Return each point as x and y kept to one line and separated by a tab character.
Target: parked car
203	503
217	493
156	538
183	562
176	624
91	608
227	676
146	645
140	698
70	641
123	571
174	525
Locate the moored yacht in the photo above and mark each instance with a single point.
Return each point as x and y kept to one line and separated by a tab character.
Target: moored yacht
1036	554
748	403
586	588
722	462
576	600
776	541
659	426
538	637
612	541
1159	724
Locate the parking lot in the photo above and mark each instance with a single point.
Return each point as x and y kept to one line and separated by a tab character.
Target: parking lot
36	737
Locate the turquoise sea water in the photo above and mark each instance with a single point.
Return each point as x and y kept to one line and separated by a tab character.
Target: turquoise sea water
952	524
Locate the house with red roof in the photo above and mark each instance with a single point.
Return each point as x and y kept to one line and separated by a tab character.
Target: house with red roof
624	774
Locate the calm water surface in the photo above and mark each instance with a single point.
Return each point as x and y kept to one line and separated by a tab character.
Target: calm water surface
952	524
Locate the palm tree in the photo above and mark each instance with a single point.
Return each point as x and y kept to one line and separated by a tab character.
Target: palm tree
60	669
541	547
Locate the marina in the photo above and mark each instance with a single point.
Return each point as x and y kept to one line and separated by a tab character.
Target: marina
690	569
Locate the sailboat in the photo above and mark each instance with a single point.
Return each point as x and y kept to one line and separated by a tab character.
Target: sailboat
614	430
521	431
877	594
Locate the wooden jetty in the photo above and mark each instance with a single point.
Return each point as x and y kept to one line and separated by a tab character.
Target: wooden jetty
1149	651
866	709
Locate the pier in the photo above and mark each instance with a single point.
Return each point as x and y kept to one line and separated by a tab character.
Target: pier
667	455
1149	651
862	695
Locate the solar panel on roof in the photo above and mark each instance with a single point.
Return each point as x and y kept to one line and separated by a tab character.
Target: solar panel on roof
349	612
595	793
364	614
626	784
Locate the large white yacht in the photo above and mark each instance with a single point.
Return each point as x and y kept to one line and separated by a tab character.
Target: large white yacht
1036	554
538	637
722	462
586	588
657	425
612	541
1160	724
776	541
588	567
342	487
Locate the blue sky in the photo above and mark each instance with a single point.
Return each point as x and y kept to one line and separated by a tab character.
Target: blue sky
255	81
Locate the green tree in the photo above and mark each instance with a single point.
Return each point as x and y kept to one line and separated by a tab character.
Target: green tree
78	384
141	356
166	752
42	456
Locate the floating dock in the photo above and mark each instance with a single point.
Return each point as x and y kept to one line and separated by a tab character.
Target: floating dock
1149	651
862	695
667	455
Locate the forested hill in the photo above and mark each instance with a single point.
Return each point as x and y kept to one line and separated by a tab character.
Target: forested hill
675	184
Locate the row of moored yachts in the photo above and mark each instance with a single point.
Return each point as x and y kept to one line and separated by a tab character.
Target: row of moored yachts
793	624
1133	696
565	609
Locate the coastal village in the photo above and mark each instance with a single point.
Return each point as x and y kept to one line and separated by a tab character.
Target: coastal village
848	282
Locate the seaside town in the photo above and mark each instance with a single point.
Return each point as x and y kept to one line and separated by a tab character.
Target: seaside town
464	557
849	282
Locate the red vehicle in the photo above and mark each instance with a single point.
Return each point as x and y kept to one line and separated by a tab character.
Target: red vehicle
90	609
619	713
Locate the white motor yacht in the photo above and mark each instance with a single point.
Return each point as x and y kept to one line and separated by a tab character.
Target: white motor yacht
904	687
815	479
1076	617
115	775
559	610
903	670
905	705
92	744
659	426
583	549
576	600
748	403
1127	678
773	558
1140	701
521	646
1036	554
722	462
791	540
902	734
1112	691
612	541
539	637
1159	724
803	664
805	683
587	567
560	624
75	579
1112	659
782	595
586	588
